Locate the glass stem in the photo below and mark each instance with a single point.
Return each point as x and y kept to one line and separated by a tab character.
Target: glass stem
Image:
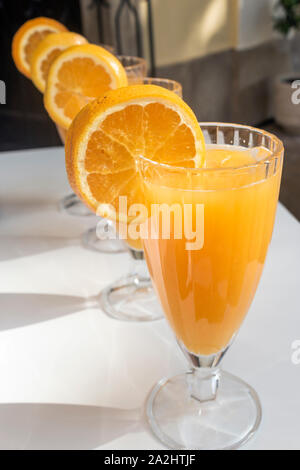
105	229
203	383
139	268
204	375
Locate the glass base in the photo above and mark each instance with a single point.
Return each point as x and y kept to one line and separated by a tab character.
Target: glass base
91	241
73	206
180	421
131	300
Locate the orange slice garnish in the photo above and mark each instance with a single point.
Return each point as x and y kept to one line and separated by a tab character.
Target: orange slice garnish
27	38
77	76
47	51
108	134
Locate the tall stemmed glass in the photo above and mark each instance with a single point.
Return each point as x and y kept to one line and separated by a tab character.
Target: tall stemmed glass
136	67
207	288
101	238
71	204
132	297
107	239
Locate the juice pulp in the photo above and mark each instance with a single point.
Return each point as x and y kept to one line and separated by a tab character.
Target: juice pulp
206	293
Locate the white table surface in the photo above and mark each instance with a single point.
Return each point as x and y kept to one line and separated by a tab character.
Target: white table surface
72	378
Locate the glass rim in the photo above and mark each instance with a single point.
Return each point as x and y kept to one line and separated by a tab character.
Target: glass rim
267	160
161	79
138	61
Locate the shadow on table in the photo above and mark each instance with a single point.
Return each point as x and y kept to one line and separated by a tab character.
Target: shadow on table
12	207
27	230
12	247
50	426
18	309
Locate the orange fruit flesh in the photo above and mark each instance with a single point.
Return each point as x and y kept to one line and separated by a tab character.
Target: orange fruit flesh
46	64
108	135
34	39
27	38
109	156
47	51
78	75
82	78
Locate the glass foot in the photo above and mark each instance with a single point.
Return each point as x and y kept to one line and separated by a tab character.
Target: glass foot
180	421
91	240
73	206
131	300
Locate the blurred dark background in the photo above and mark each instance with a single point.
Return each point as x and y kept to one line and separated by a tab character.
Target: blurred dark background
23	120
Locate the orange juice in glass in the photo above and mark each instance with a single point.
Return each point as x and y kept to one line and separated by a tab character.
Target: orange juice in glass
205	271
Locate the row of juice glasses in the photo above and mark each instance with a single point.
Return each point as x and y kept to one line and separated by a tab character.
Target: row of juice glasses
205	293
132	297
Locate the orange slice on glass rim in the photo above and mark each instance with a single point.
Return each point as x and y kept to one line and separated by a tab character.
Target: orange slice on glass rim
77	76
27	38
47	51
108	134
